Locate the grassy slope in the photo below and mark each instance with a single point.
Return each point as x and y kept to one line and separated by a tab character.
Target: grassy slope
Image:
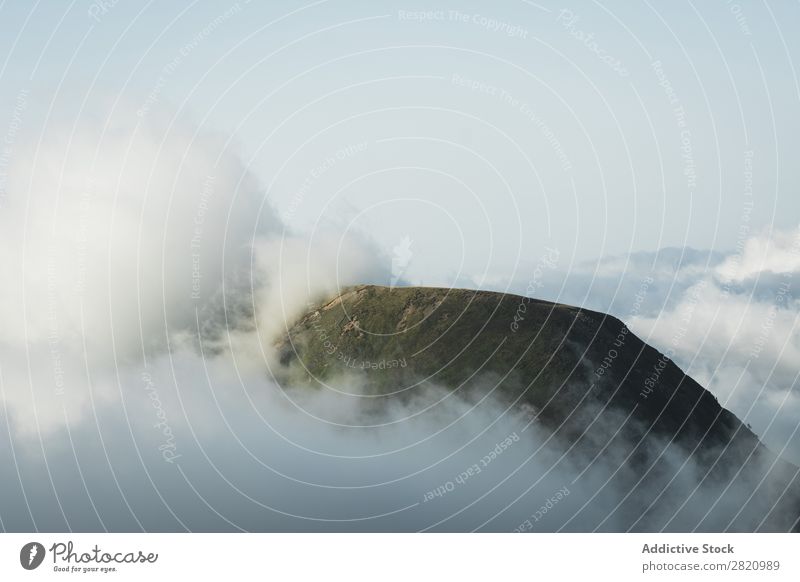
402	338
548	358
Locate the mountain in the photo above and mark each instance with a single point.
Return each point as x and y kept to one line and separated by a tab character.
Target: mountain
617	407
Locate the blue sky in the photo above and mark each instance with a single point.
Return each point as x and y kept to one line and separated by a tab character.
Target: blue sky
469	113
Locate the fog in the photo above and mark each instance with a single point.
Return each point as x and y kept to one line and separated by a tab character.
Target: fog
146	282
730	320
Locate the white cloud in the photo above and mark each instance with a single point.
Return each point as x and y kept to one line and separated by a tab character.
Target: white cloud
742	342
113	236
778	253
113	233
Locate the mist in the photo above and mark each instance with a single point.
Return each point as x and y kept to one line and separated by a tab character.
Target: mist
147	281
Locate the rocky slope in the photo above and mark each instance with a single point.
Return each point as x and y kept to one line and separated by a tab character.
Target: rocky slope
608	398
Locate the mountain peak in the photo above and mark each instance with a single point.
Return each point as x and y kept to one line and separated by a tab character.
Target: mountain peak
581	375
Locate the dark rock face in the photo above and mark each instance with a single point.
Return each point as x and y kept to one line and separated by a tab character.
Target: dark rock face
608	398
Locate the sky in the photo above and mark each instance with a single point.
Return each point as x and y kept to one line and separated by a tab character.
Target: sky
547	123
157	159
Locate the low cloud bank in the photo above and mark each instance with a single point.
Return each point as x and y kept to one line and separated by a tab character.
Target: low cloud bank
146	279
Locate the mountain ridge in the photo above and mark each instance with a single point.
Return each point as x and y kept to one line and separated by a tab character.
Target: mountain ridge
577	372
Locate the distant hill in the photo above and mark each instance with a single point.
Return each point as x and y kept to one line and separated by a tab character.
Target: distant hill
608	398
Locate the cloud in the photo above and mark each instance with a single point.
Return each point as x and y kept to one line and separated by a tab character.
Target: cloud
776	253
119	229
295	271
147	280
122	235
209	444
730	320
114	231
743	341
